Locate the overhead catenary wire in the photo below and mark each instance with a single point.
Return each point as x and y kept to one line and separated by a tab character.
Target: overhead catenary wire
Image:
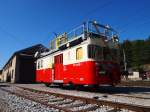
132	17
131	20
104	5
101	6
86	15
141	24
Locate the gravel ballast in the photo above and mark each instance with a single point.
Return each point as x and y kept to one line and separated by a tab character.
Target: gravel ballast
13	103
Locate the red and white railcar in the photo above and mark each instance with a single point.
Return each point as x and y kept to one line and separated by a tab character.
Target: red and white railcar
89	55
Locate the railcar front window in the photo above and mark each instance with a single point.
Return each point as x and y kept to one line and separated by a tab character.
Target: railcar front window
102	53
107	53
115	54
95	52
111	54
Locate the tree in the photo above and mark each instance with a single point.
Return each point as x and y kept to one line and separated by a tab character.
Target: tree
127	47
138	51
147	51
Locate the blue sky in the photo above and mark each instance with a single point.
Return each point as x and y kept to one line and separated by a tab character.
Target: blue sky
24	23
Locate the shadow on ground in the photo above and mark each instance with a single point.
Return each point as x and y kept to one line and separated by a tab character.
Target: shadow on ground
2	85
111	90
125	90
103	89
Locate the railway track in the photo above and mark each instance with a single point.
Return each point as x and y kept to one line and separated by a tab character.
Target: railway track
67	103
135	83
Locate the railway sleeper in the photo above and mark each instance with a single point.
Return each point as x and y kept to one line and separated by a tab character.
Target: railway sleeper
43	100
64	103
81	107
113	110
92	108
49	96
76	105
56	100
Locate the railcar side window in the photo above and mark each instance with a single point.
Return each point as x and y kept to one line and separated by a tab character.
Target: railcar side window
79	53
38	66
95	52
41	63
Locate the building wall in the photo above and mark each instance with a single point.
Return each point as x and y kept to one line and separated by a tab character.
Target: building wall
9	70
21	67
1	76
134	76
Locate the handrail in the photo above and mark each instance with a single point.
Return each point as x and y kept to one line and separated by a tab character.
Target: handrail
90	27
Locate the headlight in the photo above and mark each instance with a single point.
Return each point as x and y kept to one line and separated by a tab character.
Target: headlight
102	72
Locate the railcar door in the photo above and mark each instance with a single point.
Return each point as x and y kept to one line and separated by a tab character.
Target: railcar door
58	68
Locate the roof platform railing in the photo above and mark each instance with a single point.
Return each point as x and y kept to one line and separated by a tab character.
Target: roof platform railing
101	30
76	34
66	38
81	33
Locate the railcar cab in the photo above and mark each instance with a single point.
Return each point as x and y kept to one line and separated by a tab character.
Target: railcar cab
103	43
103	49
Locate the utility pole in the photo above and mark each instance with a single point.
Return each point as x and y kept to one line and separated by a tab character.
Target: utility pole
124	60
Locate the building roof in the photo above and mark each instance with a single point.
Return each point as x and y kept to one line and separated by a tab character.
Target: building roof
29	51
33	49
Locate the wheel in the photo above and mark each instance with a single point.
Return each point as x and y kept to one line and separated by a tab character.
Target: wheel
113	84
78	87
47	84
95	87
60	85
